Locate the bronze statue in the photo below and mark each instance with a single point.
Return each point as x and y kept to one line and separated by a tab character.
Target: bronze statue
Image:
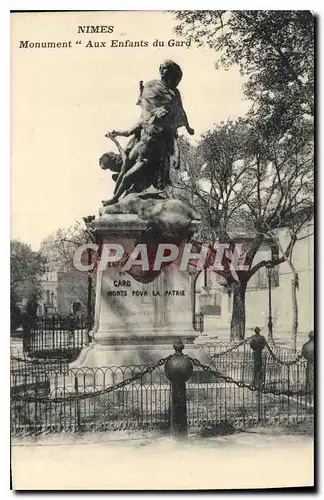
153	146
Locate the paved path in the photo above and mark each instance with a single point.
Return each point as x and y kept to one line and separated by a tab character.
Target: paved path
114	461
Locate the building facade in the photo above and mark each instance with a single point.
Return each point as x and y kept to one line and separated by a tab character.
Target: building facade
63	293
48	303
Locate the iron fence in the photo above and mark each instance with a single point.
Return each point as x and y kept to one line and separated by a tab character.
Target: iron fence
47	396
26	373
279	368
57	336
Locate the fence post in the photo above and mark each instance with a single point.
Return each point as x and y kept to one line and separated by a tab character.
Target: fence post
178	369
72	328
53	331
77	405
36	410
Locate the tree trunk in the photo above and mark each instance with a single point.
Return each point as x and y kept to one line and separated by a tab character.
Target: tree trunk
294	286
238	312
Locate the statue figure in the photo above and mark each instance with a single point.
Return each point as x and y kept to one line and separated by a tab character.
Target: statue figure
153	146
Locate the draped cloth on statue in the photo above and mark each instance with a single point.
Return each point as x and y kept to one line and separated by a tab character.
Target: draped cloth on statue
157	97
162	114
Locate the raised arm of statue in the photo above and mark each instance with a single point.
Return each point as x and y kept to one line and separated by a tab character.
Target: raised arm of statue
124	133
121	150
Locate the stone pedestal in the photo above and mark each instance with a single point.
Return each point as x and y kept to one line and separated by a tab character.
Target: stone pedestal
137	323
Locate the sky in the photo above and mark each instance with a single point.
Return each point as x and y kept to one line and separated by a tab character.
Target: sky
64	100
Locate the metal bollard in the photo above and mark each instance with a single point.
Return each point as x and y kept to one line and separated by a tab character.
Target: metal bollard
178	369
308	353
257	344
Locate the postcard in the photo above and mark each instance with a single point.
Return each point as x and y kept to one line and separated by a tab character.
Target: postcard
162	251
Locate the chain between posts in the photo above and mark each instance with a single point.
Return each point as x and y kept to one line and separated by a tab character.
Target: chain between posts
280	361
109	389
161	362
251	387
231	348
246	341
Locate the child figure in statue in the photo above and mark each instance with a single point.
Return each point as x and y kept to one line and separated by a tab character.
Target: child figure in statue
154	143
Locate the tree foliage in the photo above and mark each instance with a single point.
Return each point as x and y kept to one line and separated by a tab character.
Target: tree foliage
273	49
243	183
59	248
26	271
238	178
256	174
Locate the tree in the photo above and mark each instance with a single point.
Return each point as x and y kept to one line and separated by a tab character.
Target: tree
271	185
297	231
238	179
273	49
59	248
26	271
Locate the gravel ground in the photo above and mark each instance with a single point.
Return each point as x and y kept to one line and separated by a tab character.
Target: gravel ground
123	461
